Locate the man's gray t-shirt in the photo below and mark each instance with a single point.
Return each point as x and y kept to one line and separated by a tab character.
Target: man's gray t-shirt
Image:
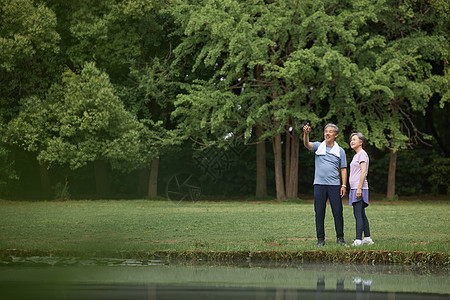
327	166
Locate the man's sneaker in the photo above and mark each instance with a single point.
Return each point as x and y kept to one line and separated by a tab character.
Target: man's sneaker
320	243
357	243
341	242
367	240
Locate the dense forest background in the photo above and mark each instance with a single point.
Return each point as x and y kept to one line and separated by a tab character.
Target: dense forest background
205	98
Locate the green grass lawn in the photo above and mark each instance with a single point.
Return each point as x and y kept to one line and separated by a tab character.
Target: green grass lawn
143	225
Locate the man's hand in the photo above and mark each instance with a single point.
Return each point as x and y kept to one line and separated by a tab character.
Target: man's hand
306	142
344	181
343	191
306	129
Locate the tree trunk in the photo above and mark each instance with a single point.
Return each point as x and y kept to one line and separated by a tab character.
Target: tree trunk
142	188
287	159
45	180
292	179
153	179
279	183
391	175
261	178
101	178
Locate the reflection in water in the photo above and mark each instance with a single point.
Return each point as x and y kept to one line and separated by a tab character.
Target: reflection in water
362	288
140	280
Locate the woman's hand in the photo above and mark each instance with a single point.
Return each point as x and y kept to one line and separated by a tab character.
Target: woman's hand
358	193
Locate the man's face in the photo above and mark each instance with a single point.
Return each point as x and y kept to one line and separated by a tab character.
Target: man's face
329	135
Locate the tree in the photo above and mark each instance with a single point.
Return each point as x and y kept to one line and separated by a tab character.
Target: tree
131	41
81	121
274	65
28	45
28	60
152	83
152	92
397	77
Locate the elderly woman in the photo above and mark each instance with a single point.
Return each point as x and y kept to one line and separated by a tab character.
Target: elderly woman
359	188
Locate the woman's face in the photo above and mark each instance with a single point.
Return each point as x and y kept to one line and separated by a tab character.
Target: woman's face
355	142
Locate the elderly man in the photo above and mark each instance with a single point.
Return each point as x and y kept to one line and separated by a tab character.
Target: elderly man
329	160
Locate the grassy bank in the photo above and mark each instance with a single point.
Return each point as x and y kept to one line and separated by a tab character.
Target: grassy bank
416	232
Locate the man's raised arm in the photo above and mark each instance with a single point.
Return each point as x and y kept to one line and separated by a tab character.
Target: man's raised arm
306	142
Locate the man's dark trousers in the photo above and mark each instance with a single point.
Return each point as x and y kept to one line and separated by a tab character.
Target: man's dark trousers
321	193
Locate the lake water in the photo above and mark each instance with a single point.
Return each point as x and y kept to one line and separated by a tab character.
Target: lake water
53	278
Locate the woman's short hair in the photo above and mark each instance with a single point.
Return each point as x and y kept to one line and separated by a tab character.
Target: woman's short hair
360	136
336	129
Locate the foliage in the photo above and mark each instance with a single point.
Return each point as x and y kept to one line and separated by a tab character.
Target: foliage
7	171
263	75
411	176
397	74
81	121
224	67
440	173
27	29
28	45
105	31
128	40
61	191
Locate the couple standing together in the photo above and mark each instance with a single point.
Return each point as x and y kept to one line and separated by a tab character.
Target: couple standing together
330	160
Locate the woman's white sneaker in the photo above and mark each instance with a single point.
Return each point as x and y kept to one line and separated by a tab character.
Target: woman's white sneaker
367	240
357	243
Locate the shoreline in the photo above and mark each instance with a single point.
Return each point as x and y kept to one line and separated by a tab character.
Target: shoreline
348	256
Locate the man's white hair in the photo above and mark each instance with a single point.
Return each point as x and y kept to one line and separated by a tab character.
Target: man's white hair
336	129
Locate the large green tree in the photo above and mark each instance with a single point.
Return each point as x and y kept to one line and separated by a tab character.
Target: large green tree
403	61
130	41
152	83
81	120
275	65
29	48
